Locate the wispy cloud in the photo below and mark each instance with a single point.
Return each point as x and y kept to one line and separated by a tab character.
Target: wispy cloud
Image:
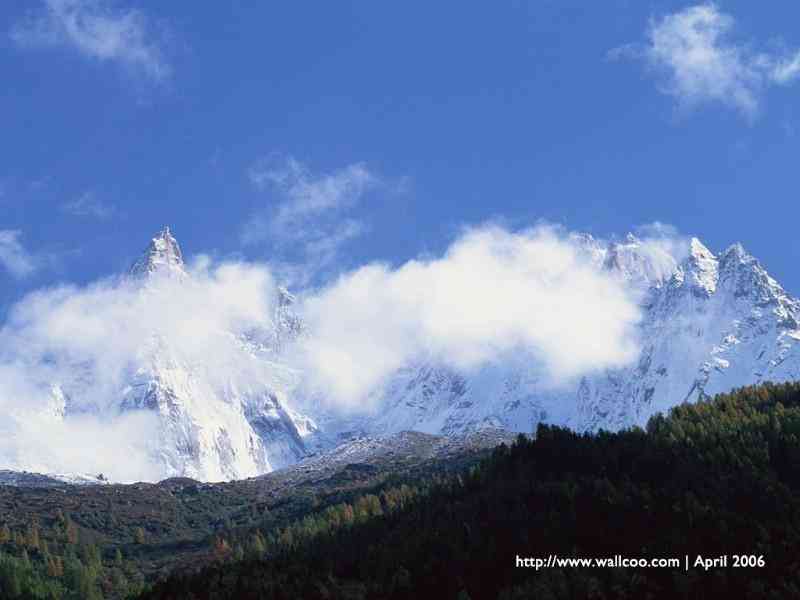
701	62
87	205
99	31
40	183
311	211
13	255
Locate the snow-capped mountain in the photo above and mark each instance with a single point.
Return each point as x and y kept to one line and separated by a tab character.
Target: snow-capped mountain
215	422
710	323
717	323
162	257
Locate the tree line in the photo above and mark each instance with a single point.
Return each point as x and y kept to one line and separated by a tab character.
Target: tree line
717	477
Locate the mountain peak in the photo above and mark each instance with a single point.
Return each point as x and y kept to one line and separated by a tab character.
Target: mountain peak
735	252
699	271
162	256
741	272
698	250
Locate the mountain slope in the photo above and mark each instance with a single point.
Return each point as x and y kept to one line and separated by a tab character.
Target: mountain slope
172	525
715	478
220	415
211	429
709	324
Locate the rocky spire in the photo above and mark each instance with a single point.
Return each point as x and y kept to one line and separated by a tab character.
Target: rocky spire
162	256
741	273
700	269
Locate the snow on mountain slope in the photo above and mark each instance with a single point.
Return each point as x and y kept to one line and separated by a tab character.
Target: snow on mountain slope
162	257
710	324
221	404
214	429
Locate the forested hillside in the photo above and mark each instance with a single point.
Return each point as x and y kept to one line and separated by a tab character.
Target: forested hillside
108	541
717	477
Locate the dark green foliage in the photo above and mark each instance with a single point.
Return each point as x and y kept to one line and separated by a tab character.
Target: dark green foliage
127	535
32	568
718	477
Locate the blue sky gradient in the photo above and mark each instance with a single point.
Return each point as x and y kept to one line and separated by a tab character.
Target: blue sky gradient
460	113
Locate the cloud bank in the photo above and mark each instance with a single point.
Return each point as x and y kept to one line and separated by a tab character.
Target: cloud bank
98	31
492	293
700	61
75	350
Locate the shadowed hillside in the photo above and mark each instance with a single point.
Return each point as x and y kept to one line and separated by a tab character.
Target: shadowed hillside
718	477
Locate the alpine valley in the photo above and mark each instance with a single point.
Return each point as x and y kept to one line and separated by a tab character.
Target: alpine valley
711	323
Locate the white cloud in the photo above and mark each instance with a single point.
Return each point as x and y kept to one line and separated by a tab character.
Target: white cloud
63	336
308	196
784	70
98	31
494	292
657	229
87	205
701	63
311	213
13	255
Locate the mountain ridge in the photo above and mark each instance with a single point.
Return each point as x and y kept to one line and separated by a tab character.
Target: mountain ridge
709	323
700	314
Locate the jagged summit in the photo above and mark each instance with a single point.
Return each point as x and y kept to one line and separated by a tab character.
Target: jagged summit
698	273
215	422
736	251
698	250
709	322
162	256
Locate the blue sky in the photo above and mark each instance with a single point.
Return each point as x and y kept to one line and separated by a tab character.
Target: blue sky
269	131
